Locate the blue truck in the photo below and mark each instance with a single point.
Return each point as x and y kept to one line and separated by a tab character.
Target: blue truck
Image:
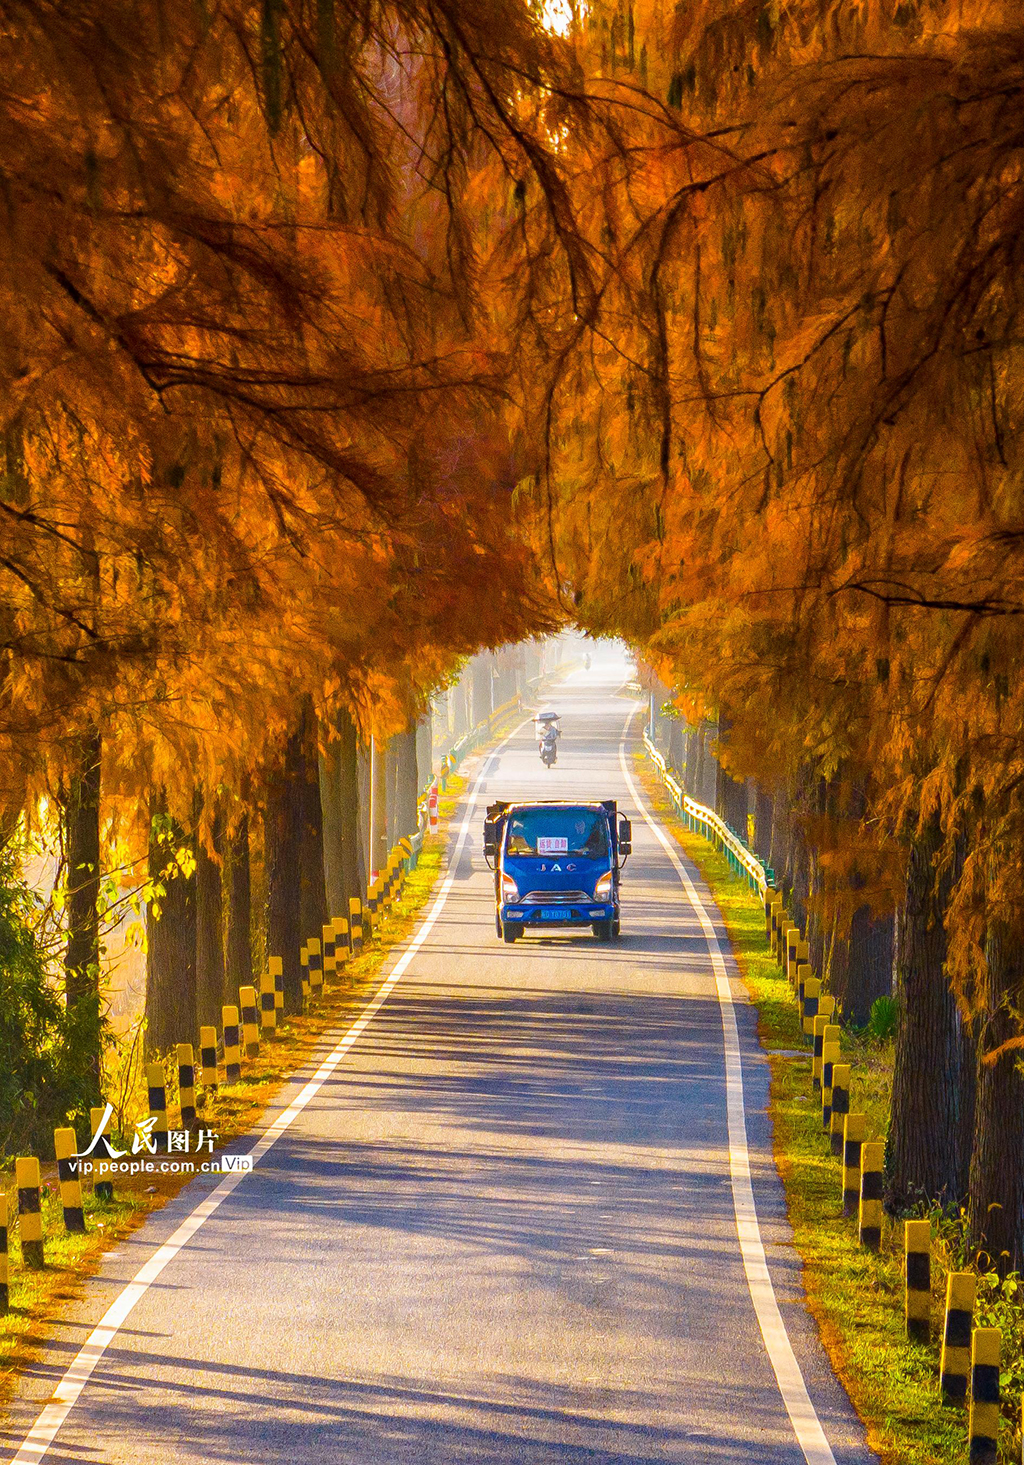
556	866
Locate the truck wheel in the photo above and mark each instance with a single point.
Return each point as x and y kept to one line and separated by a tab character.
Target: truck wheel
615	929
510	933
497	923
602	930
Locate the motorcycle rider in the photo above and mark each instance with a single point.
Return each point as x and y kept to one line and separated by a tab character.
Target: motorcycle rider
546	724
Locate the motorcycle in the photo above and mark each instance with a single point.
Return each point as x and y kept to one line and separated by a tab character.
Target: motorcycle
549	751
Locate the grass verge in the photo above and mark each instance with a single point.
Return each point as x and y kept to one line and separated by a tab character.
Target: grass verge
855	1297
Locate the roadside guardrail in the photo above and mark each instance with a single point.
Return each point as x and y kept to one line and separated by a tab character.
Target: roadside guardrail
702	820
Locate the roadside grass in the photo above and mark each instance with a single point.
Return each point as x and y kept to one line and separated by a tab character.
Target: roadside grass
855	1297
37	1297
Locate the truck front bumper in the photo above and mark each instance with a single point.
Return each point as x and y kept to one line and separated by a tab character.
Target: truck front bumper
581	913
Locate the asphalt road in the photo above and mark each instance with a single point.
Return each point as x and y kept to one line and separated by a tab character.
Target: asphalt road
503	1229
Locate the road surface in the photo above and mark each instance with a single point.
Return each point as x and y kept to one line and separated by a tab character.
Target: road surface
506	1225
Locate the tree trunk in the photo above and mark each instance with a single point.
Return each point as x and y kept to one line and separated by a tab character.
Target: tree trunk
799	878
764	818
391	785
82	843
330	764
933	1080
730	794
282	822
781	837
211	975
424	751
482	705
460	719
693	763
378	808
997	1161
313	899
406	784
861	966
353	867
674	750
239	960
364	781
171	1007
339	801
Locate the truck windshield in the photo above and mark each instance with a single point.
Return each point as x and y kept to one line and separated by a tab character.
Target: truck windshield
558	832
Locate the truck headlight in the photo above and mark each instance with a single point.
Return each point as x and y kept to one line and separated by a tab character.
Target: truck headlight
509	889
603	887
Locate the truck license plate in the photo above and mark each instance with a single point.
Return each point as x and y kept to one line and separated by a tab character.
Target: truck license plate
556	915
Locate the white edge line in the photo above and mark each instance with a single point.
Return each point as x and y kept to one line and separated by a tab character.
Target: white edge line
41	1436
802	1415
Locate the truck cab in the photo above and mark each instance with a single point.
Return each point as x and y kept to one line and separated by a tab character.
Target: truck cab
556	866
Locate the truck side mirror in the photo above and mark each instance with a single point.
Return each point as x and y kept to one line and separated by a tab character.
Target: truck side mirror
490	839
625	837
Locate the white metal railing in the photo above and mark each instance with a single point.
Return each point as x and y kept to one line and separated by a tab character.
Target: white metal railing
706	822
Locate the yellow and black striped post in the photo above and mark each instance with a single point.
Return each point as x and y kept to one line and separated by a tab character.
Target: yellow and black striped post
872	1158
917	1241
275	966
778	917
5	1270
854	1130
829	1062
782	938
330	957
156	1083
821	1022
316	968
355	925
208	1058
825	1010
794	941
954	1370
840	1106
825	1031
232	1046
803	971
268	1005
983	1429
65	1146
368	914
772	899
103	1187
250	1021
342	945
304	974
809	1006
801	961
30	1210
187	1085
782	925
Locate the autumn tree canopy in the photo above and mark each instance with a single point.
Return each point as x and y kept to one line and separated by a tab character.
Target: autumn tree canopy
342	339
